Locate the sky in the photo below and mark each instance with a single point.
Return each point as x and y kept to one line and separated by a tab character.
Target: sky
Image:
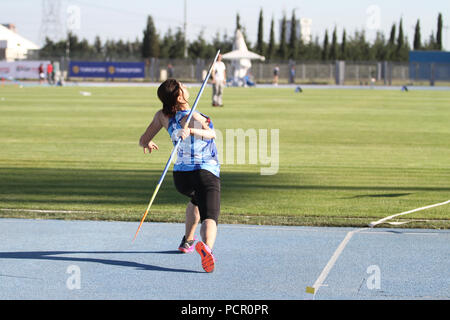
119	19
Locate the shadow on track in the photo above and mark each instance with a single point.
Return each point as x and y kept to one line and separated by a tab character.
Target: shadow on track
56	256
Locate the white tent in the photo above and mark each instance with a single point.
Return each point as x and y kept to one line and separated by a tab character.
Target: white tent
13	46
240	58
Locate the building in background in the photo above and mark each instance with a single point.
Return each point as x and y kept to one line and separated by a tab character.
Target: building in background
12	45
302	27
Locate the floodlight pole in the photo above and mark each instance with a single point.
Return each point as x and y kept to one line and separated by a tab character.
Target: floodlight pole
67	53
185	30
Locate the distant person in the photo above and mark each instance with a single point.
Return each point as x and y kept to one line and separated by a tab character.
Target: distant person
41	74
50	74
170	71
219	79
292	74
248	82
276	73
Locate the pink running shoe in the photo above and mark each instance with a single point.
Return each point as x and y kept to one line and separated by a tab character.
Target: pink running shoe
186	246
208	260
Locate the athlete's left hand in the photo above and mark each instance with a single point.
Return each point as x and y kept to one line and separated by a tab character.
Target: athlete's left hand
151	146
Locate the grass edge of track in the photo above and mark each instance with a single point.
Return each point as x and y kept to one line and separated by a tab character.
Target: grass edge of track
270	220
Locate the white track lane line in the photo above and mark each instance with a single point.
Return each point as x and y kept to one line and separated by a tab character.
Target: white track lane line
372	224
47	211
323	275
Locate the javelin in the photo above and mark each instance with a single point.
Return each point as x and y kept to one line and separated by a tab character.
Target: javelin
175	148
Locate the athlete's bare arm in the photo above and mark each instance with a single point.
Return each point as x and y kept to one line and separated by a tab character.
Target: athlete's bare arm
159	121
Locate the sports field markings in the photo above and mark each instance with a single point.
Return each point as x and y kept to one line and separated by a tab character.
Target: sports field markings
373	224
319	229
47	211
323	275
237	226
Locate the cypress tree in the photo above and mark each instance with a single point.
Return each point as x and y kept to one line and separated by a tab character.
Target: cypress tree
401	53
98	45
282	50
417	37
271	47
378	49
390	54
343	55
177	50
325	49
260	42
150	43
392	35
439	33
401	38
334	49
293	45
167	45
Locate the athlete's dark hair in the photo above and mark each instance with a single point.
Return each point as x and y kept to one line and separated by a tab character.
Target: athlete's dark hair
168	93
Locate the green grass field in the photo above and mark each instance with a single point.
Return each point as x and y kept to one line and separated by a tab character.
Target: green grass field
346	157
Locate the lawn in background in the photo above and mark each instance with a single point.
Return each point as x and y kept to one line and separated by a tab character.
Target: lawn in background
346	157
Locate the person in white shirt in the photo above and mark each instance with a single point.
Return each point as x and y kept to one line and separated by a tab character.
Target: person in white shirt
219	79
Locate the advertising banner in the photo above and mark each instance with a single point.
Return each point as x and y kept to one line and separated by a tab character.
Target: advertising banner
429	65
22	69
84	69
126	70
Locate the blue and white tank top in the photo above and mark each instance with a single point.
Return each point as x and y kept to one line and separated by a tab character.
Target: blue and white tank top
193	153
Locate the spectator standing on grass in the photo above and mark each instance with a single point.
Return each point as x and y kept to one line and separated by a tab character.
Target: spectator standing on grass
276	73
219	79
292	74
170	71
41	73
50	74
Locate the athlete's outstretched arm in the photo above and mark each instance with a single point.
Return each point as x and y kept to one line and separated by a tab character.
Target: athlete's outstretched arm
146	139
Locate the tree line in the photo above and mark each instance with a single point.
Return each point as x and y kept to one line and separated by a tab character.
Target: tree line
172	45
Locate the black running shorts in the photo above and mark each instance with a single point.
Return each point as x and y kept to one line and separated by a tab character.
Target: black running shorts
203	188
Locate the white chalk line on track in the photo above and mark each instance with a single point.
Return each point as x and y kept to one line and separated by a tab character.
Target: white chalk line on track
48	211
373	224
323	275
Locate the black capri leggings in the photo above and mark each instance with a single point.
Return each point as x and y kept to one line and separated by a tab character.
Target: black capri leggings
203	188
